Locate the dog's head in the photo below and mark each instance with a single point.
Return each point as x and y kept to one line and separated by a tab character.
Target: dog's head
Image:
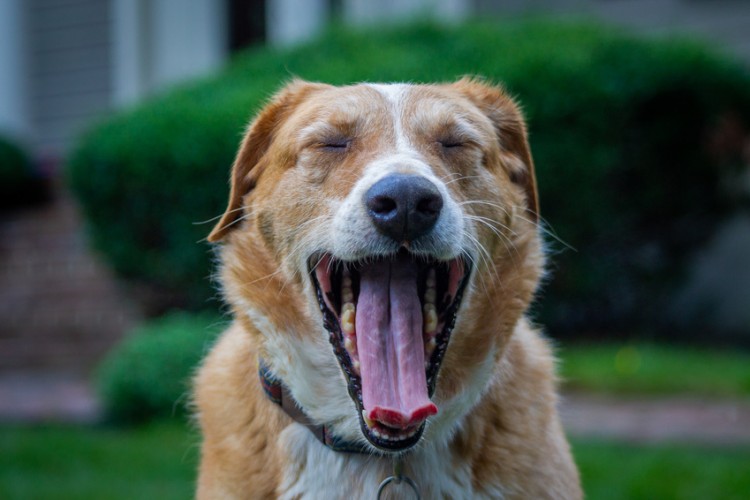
382	244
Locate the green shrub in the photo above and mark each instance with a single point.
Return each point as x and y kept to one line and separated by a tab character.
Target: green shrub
14	164
148	375
619	128
17	179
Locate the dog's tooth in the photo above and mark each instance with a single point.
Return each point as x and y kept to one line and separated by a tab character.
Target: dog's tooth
369	423
347	327
429	348
431	281
346	287
430	293
347	318
430	318
355	366
349	345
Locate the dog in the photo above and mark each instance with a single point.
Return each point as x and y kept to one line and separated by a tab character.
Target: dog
379	251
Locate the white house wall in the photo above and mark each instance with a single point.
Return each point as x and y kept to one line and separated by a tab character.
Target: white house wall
65	62
158	43
293	21
14	119
189	39
368	11
69	69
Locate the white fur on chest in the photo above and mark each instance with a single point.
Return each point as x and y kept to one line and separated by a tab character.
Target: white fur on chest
312	471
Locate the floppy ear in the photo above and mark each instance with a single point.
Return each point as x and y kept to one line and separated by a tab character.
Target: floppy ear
510	128
251	157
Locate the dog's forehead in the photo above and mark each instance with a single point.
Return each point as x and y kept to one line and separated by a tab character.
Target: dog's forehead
331	101
402	108
393	93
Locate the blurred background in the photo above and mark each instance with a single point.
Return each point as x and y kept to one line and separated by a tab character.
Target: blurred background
119	120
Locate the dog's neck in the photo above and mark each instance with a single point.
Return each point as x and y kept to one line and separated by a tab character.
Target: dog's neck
279	394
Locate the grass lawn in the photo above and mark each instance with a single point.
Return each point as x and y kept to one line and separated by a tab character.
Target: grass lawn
60	463
617	471
648	369
159	462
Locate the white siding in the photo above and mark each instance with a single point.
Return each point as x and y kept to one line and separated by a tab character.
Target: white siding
14	120
69	69
294	21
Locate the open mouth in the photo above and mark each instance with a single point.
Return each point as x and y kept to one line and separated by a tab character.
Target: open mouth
390	321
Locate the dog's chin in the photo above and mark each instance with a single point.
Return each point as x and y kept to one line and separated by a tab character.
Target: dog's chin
389	321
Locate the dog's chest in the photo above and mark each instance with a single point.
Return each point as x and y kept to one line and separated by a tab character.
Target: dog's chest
313	471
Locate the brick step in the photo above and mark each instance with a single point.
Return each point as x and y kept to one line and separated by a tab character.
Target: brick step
60	307
77	327
53	352
61	289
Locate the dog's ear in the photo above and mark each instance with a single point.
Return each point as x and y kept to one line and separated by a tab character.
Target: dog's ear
251	157
510	129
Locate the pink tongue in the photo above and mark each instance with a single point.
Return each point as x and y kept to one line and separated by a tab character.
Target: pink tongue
390	345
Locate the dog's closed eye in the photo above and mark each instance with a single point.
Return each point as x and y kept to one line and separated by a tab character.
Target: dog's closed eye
451	143
338	144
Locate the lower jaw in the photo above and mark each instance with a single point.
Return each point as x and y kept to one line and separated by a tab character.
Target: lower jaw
389	439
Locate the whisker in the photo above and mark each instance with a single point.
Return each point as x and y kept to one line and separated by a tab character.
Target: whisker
267	276
227	226
477	263
506	241
483	253
545	227
494	223
212	219
463	178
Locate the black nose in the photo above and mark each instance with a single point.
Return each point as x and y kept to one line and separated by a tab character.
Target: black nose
403	207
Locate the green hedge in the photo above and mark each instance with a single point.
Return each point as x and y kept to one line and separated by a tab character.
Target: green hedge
148	375
619	128
18	184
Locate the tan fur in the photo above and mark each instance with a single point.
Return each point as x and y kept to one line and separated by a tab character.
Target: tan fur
284	189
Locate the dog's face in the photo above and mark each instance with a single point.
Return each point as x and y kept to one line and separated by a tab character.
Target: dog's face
381	244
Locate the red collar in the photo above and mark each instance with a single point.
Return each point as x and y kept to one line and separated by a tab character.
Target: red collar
279	394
